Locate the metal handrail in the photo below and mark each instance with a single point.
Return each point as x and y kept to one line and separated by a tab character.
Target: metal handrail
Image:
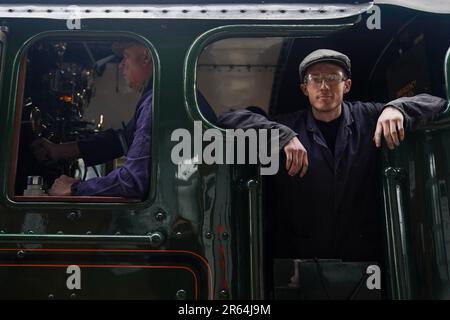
256	253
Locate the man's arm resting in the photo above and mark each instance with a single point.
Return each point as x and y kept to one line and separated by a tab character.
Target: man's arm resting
296	154
418	110
245	119
405	113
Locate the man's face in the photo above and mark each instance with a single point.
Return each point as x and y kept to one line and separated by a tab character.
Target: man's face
325	86
136	66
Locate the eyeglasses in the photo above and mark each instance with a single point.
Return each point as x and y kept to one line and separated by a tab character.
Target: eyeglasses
330	79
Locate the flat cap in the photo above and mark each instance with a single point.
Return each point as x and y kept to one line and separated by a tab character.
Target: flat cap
325	55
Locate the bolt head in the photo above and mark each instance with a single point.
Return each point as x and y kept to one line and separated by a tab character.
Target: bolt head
181	294
160	216
223	293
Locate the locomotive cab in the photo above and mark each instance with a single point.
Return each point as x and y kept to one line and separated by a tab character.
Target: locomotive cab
404	58
212	230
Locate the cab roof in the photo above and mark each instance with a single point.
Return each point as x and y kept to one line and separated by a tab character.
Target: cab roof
210	9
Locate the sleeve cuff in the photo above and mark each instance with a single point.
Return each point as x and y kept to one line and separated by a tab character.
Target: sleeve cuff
399	108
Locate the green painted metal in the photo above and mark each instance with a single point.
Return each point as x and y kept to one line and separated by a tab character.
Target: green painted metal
397	247
256	241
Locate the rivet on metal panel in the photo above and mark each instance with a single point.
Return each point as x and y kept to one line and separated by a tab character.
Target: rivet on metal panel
60	232
88	232
181	294
20	254
73	215
225	236
160	216
73	296
51	296
223	294
208	235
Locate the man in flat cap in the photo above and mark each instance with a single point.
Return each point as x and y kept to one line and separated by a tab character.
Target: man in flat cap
133	178
327	202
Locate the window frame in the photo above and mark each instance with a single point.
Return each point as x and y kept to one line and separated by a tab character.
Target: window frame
16	108
447	79
245	31
2	57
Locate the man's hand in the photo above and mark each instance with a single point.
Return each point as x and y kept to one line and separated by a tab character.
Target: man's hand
390	124
61	186
296	157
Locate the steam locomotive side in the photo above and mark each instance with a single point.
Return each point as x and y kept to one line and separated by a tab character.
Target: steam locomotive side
203	231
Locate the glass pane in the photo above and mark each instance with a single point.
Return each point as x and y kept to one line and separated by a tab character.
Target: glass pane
76	106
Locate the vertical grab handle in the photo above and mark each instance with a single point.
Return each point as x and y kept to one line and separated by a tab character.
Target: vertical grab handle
396	234
255	235
447	76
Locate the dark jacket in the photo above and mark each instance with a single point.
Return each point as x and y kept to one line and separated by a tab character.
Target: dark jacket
334	210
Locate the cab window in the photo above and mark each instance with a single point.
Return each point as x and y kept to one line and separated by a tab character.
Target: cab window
78	92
